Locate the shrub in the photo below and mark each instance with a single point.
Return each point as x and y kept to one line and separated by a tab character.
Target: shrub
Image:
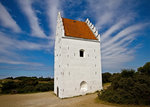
145	69
127	73
10	78
44	87
44	79
106	77
27	85
7	86
128	87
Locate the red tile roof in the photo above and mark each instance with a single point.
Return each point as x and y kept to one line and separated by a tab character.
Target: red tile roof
77	29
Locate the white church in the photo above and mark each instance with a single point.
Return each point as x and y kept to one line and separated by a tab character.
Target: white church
77	69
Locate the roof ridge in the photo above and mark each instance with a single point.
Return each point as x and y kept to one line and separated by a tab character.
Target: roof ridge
73	19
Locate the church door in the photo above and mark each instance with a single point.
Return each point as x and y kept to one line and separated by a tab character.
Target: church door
57	92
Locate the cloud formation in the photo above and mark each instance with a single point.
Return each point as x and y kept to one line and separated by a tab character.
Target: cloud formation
113	20
7	21
52	10
9	47
26	7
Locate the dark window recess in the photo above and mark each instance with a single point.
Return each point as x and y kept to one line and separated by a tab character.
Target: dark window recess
81	53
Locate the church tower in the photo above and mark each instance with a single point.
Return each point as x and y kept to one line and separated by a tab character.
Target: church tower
77	68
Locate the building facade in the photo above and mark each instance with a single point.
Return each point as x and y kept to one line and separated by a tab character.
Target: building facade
77	69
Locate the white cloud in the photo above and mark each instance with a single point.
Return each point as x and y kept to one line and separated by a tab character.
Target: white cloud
26	7
10	46
124	41
122	34
116	51
6	42
52	10
105	11
108	12
113	28
116	23
7	21
15	62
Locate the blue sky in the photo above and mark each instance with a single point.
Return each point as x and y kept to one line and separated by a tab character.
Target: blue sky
27	33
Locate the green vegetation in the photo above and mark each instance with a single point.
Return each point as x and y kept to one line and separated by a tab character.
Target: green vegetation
129	87
106	77
25	85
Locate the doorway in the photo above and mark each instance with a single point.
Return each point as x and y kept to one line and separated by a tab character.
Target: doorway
57	92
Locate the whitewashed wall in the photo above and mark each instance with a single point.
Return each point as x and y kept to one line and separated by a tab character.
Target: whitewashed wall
71	69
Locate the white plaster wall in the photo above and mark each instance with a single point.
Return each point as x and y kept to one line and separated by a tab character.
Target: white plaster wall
70	69
57	53
74	69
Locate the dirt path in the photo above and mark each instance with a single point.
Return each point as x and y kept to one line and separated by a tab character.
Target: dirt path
48	99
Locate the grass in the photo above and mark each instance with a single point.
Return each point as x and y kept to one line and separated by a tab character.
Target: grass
106	85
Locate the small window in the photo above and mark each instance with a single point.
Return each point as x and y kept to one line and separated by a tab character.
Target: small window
81	53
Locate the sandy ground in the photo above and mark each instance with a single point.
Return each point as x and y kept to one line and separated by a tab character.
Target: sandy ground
48	99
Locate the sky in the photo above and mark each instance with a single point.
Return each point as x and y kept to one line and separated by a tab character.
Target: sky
27	33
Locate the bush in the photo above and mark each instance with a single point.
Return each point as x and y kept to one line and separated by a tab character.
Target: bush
127	73
145	69
10	78
23	78
44	87
45	79
27	85
106	77
8	86
128	87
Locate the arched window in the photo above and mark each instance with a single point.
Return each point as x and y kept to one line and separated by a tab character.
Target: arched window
81	53
83	86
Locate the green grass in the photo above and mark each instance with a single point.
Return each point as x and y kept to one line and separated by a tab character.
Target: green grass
106	85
